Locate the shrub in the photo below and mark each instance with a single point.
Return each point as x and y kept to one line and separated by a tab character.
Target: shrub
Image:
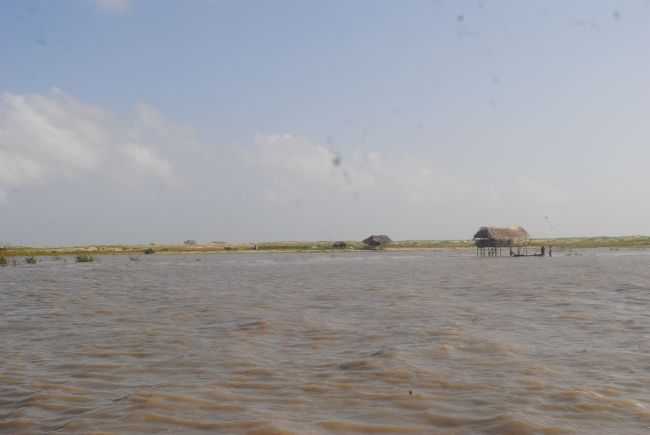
3	261
30	260
85	258
149	251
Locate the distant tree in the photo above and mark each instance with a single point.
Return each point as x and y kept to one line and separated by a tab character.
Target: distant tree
85	258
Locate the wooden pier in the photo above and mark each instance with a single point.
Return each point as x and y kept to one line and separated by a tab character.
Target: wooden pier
514	251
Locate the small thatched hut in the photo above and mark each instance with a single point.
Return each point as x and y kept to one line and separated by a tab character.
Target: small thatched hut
375	241
493	237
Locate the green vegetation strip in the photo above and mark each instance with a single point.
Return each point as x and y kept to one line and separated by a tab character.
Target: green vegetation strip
30	253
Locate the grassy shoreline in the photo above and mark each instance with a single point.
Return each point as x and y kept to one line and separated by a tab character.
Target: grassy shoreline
630	242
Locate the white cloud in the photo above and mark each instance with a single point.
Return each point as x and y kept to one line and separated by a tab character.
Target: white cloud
44	137
296	168
298	187
294	157
297	163
113	6
146	159
16	169
414	193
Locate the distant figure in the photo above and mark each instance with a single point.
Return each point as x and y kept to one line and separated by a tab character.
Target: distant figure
543	250
550	251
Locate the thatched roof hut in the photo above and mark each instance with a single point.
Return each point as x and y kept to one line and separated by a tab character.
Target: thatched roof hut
494	237
375	241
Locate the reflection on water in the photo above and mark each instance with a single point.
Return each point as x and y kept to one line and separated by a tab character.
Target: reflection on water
327	344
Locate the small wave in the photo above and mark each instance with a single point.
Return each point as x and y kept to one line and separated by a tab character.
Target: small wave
576	315
172	402
344	426
443	350
250	385
508	425
585	400
445	420
89	367
106	353
270	430
315	388
395	376
413	403
357	365
220	393
60	387
383	353
488	347
44	397
200	424
449	331
577	394
16	424
276	428
253	327
255	372
446	384
540	370
534	385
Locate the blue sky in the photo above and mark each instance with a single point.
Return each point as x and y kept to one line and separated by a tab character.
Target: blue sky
135	121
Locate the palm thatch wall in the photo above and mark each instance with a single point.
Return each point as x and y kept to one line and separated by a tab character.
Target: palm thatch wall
494	237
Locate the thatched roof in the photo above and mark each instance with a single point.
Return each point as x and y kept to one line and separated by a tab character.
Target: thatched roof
494	236
377	240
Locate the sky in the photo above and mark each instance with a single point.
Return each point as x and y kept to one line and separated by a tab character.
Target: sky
137	121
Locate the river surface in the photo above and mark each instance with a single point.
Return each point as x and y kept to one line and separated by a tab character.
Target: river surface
349	343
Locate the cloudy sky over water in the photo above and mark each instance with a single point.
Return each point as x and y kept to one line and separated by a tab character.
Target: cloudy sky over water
126	121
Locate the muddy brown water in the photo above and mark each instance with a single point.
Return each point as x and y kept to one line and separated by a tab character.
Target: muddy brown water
353	343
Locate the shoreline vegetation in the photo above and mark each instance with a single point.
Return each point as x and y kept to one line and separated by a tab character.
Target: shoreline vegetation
564	243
